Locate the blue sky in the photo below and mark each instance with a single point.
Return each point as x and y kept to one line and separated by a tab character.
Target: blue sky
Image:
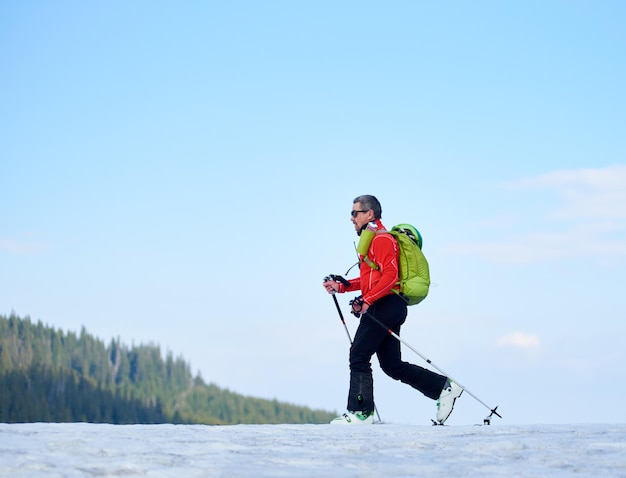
181	173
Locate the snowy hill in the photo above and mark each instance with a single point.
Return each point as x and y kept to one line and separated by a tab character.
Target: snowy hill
80	449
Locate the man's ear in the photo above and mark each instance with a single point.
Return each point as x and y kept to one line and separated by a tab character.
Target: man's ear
370	216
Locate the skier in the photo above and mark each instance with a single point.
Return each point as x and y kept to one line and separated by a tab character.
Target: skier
377	285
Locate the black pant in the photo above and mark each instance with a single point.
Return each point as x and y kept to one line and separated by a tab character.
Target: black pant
372	338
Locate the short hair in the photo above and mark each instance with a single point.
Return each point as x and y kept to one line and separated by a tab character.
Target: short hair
370	202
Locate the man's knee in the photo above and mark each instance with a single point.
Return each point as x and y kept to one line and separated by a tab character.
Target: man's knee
393	370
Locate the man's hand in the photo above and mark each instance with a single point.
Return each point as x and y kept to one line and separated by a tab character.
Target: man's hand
364	307
331	286
359	307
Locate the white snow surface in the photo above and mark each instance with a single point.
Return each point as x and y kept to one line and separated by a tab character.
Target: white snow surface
392	450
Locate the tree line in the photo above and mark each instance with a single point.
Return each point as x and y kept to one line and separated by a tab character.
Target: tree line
48	375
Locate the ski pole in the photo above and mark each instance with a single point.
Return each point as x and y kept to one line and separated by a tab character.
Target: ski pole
428	361
337	278
344	281
341	317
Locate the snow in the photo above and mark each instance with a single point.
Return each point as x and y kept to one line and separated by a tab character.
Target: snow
395	450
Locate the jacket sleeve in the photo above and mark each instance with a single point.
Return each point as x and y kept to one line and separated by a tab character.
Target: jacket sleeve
355	284
384	252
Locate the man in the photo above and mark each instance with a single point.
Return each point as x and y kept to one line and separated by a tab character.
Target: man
377	285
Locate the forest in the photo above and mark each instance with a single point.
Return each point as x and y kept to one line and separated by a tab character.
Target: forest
48	375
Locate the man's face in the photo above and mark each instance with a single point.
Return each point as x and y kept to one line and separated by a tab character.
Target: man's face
360	216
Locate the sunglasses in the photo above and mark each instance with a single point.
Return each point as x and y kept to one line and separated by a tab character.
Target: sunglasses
355	213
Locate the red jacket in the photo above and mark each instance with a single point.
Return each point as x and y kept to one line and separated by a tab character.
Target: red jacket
375	284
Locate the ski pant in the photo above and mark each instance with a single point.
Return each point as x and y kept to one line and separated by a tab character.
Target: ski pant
371	338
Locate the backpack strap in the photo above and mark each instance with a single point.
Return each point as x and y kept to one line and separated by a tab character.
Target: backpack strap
370	262
366	238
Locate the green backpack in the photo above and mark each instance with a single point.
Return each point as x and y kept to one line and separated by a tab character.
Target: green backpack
413	274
